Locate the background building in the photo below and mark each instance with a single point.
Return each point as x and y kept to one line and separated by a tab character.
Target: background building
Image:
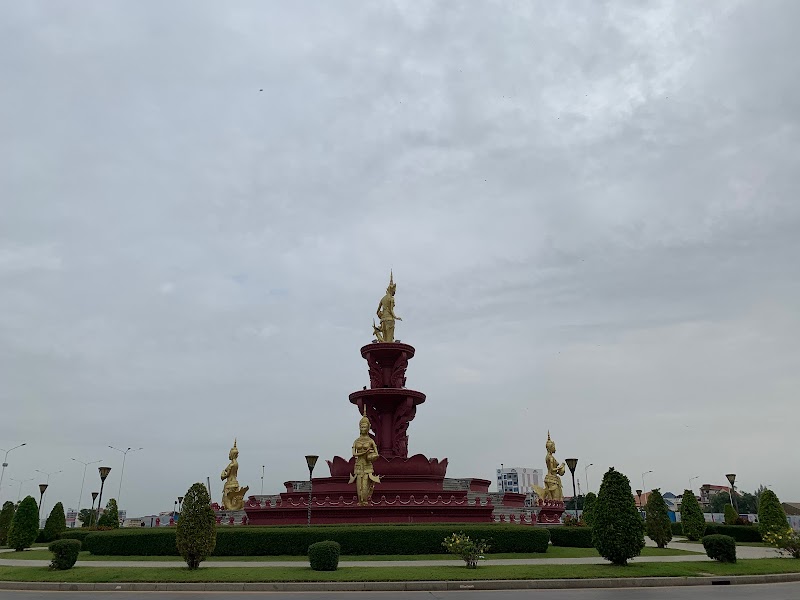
519	480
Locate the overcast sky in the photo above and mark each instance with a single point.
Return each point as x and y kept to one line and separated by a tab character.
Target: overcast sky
591	211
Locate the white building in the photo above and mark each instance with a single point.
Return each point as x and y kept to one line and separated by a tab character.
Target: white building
519	480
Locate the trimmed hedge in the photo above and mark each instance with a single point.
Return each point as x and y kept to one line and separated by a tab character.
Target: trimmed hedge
571	537
740	533
76	534
720	547
324	556
65	554
294	541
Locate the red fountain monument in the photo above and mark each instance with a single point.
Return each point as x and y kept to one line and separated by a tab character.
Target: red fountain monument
411	489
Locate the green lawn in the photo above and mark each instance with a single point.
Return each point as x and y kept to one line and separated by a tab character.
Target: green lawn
552	552
98	575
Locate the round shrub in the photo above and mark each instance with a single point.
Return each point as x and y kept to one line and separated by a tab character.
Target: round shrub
196	534
25	525
571	537
324	556
657	523
65	554
720	547
618	531
692	519
771	517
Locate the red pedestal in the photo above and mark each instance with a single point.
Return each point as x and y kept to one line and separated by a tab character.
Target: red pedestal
411	488
550	512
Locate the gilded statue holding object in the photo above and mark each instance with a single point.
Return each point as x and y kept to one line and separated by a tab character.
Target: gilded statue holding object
385	332
365	451
232	494
552	489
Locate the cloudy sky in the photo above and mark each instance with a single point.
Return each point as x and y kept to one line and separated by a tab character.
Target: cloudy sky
590	210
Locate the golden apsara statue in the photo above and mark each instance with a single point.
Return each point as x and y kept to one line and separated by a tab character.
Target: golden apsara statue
232	494
385	332
366	451
552	489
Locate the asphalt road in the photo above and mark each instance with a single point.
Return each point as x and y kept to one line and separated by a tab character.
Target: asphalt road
776	591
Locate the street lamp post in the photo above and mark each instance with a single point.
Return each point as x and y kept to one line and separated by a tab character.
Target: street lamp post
122	472
47	483
20	482
104	471
5	461
180	504
85	465
644	487
691	479
91	516
732	479
42	490
572	463
311	460
586	476
262	479
502	480
639	493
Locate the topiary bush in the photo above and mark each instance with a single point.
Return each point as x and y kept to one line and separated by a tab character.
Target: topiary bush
588	508
56	523
324	556
771	516
618	531
693	522
196	534
295	540
110	516
65	554
657	523
720	547
25	525
571	537
6	515
731	516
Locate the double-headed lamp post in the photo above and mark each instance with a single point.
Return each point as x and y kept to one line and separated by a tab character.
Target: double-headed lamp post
104	471
5	462
20	482
85	465
572	463
732	479
691	479
644	487
122	472
311	460
586	476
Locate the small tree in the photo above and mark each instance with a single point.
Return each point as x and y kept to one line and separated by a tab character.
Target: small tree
55	524
693	522
25	525
771	517
618	531
196	535
657	523
110	516
85	516
731	516
5	521
589	504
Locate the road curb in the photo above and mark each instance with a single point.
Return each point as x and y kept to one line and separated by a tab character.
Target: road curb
403	586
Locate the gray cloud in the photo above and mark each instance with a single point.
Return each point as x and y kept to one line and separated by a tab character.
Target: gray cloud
589	210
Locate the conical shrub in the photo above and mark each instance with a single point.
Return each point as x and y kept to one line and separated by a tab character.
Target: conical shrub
196	535
5	521
55	524
693	522
110	516
771	516
731	516
618	531
589	504
657	523
25	525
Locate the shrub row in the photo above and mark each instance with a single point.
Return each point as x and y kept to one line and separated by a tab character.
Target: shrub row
571	537
354	539
76	534
740	533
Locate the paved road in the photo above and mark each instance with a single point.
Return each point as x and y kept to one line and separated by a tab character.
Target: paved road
777	591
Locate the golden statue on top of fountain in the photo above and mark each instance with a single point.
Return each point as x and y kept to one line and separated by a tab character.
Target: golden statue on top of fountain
385	332
232	494
552	489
